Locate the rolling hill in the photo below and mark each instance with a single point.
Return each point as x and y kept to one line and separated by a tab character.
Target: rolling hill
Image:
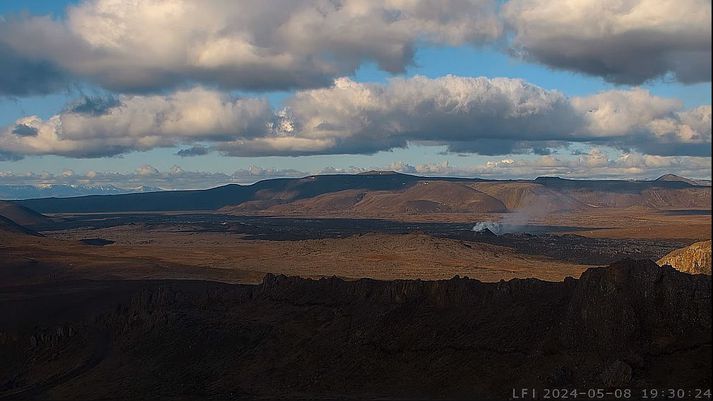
423	197
9	227
380	193
22	215
284	189
542	196
523	195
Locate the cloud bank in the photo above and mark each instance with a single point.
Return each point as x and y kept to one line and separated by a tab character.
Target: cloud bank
627	42
468	115
147	176
153	45
247	44
93	128
596	164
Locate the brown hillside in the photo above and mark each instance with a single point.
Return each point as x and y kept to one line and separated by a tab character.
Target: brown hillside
656	198
685	198
424	197
432	197
428	197
521	195
250	206
327	203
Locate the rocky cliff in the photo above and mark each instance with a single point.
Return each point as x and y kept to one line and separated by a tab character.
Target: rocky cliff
629	325
693	259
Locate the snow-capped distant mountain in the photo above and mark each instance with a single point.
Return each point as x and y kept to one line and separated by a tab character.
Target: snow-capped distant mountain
144	188
13	192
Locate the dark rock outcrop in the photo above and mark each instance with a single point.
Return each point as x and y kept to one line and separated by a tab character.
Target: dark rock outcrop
634	303
629	325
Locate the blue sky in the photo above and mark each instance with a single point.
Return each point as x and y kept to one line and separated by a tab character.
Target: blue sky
489	60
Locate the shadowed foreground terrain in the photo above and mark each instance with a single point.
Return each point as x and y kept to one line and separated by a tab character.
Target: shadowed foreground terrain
630	325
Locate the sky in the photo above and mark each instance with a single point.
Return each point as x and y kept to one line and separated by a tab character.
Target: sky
194	94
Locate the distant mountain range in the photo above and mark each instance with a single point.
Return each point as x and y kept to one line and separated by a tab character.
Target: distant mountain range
385	193
15	192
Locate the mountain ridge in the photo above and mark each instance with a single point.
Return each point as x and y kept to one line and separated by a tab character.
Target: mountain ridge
269	193
674	177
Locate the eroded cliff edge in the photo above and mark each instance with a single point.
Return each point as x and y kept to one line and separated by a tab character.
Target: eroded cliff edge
628	325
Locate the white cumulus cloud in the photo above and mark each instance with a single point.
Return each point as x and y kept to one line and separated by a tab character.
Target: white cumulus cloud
246	44
624	41
468	115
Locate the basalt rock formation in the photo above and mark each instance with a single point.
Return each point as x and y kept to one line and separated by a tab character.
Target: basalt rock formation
629	325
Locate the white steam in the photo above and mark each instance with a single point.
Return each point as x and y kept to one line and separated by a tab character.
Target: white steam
494	227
